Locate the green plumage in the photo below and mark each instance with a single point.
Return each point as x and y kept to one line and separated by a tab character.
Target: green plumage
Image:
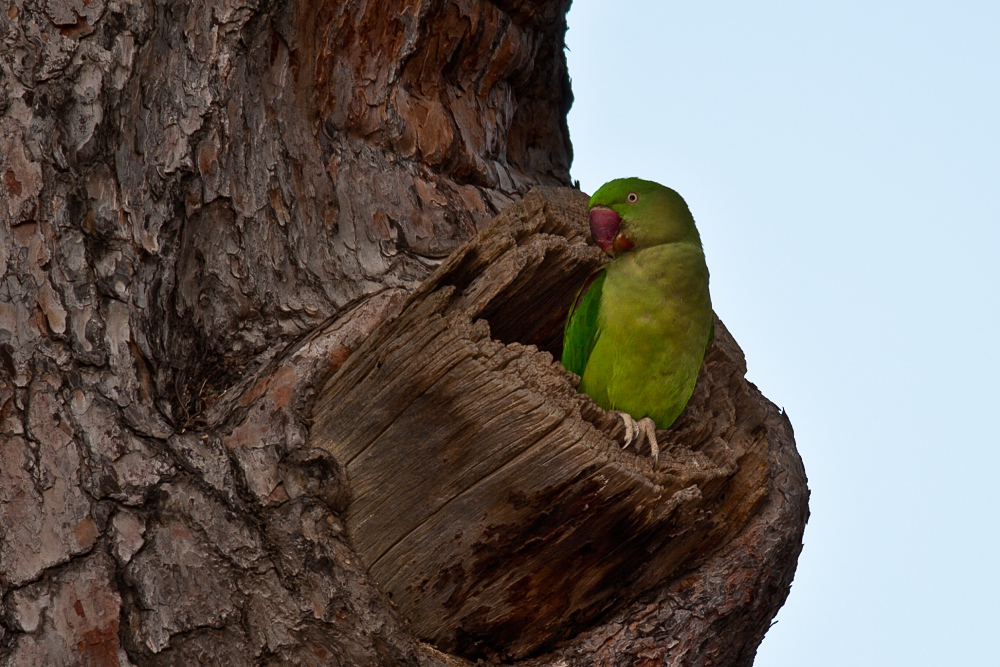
639	328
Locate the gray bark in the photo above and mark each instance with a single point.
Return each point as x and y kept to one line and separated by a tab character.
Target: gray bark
205	208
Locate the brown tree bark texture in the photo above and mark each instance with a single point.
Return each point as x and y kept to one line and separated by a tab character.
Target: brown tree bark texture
205	207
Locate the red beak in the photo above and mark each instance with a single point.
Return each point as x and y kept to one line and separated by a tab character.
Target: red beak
604	225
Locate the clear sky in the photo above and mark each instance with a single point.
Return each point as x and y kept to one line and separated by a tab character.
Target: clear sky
843	163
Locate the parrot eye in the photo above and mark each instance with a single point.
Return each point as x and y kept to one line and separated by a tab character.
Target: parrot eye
632	198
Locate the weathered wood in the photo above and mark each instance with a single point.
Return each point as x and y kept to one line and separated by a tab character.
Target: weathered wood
716	614
205	208
489	499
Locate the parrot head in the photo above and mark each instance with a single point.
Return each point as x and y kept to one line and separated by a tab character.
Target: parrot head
630	213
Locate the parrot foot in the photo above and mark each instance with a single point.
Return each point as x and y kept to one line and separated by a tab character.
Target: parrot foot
649	430
635	431
631	428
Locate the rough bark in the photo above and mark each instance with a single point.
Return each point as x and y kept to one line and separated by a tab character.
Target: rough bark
205	207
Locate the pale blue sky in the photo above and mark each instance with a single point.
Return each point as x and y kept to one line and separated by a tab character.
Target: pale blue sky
843	163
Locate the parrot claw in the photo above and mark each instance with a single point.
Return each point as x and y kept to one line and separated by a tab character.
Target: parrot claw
635	431
648	429
631	428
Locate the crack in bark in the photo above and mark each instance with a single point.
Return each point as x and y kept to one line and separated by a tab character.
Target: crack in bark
301	164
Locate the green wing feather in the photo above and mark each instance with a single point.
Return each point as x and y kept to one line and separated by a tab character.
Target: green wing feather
581	331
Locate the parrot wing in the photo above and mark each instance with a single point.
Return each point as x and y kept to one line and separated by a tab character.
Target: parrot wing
581	324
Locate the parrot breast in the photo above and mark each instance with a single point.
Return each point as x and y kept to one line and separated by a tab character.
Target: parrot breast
655	320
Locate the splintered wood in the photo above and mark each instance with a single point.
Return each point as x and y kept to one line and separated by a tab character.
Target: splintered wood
490	500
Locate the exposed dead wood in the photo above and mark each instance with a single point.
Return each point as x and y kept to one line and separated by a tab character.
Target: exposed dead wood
488	498
190	194
205	208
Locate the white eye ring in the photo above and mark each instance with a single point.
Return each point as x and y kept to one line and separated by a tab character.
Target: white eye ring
632	198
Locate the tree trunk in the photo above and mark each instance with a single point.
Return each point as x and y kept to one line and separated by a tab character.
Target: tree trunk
207	207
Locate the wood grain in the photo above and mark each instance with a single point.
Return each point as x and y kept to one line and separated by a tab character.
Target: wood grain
205	208
492	502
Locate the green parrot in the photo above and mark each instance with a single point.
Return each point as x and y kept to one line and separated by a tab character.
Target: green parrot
639	328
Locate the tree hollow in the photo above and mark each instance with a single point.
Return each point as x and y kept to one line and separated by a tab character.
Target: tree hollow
492	502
